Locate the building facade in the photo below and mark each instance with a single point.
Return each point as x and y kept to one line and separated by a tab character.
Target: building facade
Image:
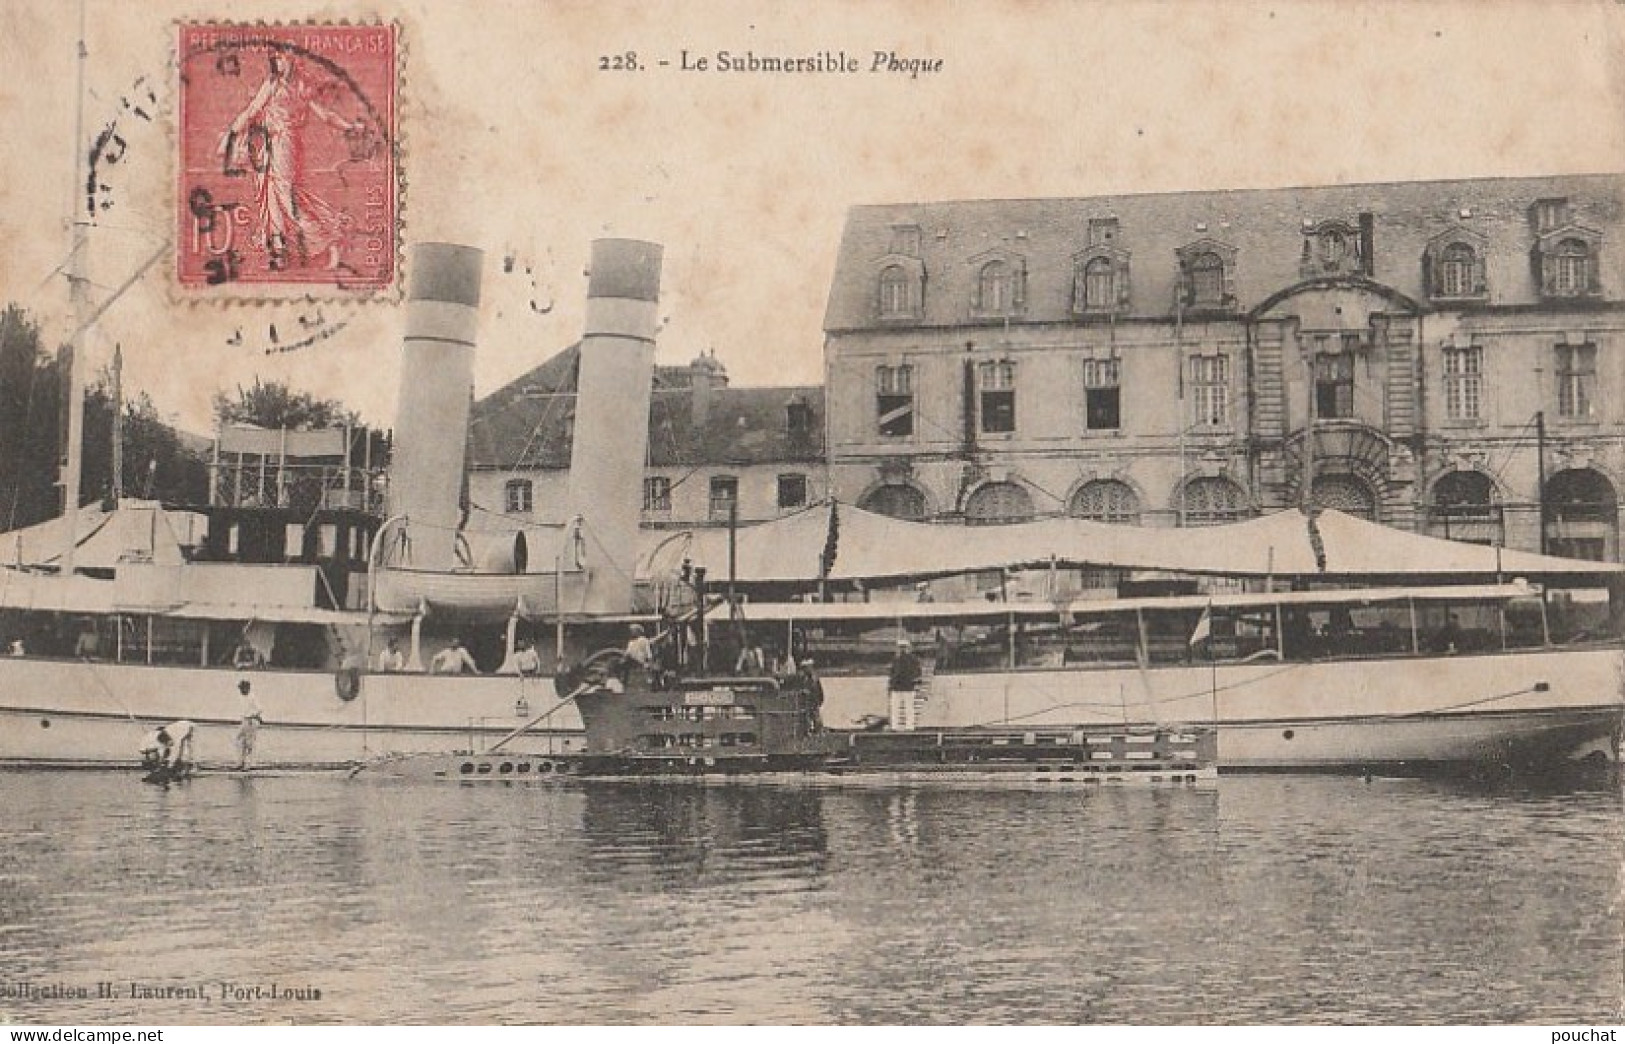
1447	357
714	450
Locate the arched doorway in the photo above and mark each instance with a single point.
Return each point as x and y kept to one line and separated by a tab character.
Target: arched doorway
1345	493
998	502
1582	515
896	501
1464	507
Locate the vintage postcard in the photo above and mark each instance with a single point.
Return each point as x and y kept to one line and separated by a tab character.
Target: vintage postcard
526	512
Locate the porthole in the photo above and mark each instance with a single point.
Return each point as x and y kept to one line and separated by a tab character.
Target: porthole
1287	734
484	769
506	768
466	768
45	723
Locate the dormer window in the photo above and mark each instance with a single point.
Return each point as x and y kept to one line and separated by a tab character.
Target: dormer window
905	240
1566	262
894	292
1454	265
1571	268
1207	280
998	285
1207	275
1100	279
798	418
995	287
1550	214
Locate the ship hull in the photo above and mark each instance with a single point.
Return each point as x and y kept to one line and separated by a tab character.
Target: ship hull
1526	709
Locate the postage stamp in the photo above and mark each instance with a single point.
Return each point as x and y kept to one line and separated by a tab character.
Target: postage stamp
287	180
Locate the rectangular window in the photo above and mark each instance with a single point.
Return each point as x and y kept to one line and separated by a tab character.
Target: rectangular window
792	491
1102	408
1334	385
1576	380
724	495
517	497
1463	382
657	493
1102	231
997	384
1551	214
894	401
1210	390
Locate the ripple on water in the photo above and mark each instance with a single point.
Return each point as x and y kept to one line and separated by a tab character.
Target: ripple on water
1266	900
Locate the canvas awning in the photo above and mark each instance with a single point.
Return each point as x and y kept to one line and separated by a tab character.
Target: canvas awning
867	546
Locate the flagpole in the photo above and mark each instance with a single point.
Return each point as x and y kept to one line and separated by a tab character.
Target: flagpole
1212	665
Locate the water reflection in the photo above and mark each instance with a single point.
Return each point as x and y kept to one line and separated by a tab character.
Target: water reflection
1265	899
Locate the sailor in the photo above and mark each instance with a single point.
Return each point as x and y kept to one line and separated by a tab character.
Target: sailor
16	648
638	649
752	662
249	726
391	659
814	689
169	749
246	657
526	661
454	659
901	684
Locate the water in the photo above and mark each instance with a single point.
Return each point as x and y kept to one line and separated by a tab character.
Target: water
1265	899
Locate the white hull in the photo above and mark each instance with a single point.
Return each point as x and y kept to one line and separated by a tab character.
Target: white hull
1530	706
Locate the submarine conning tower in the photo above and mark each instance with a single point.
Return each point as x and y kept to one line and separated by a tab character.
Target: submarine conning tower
611	441
437	381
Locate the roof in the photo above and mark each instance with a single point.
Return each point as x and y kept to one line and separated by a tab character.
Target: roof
1264	226
527	423
1331	546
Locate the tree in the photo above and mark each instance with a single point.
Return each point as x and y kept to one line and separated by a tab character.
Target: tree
272	404
33	414
157	464
30	415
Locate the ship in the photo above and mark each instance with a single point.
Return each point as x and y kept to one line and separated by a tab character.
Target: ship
1302	640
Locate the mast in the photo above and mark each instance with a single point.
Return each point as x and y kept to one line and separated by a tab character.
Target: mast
118	424
79	306
1540	466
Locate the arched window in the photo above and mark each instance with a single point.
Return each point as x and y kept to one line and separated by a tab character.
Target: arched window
1464	508
516	497
1211	500
1582	515
896	501
1571	272
1106	500
1457	267
995	288
999	502
1347	494
894	292
1207	279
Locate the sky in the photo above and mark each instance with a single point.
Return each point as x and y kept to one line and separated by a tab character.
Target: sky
514	139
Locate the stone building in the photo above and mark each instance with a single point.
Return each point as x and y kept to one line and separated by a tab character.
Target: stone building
1160	359
710	446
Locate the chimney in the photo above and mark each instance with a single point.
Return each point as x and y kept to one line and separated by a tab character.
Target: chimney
437	382
611	440
705	375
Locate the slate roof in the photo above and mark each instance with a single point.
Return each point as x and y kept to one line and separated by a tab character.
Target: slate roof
527	422
1265	226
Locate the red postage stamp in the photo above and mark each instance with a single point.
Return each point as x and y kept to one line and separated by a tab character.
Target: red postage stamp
287	177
